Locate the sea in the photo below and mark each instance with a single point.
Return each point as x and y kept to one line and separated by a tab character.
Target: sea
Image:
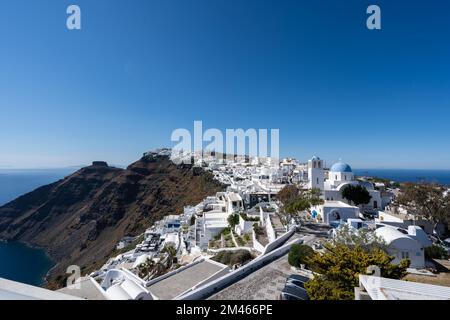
18	261
21	263
29	265
407	175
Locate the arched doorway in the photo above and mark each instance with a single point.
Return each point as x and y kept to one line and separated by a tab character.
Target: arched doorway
334	215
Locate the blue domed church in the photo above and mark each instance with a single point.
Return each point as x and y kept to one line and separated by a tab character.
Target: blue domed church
334	180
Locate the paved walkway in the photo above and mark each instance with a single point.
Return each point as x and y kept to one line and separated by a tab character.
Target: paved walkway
263	284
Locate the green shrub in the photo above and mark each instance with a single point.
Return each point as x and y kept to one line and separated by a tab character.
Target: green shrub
240	241
225	232
299	254
259	231
231	258
338	267
233	220
436	252
240	257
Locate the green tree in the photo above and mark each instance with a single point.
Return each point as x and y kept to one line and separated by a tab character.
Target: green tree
339	267
299	254
192	222
294	200
357	195
233	220
436	252
146	268
288	194
171	255
429	200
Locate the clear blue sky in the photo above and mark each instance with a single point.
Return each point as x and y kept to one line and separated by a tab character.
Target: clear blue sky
139	69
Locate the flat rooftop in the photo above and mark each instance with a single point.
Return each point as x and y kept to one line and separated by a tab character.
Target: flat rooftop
234	197
12	290
389	289
398	215
215	215
180	282
338	204
86	290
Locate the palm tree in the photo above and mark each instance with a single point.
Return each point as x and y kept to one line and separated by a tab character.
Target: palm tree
159	269
171	255
146	268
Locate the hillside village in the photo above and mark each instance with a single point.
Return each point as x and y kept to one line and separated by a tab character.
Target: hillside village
215	246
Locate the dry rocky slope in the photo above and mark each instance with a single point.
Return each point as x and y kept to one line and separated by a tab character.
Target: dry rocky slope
79	219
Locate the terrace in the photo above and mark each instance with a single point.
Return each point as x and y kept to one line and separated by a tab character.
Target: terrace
182	280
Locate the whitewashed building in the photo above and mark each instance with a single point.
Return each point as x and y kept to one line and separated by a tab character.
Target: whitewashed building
334	211
333	182
402	246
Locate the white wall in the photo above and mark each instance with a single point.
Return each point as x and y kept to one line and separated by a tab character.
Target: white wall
256	244
244	226
275	244
332	195
344	212
270	230
262	216
376	196
415	253
336	178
